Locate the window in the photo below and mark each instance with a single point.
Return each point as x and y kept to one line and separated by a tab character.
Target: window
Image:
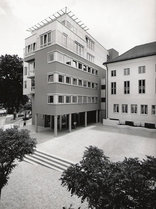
45	39
74	99
79	99
113	87
84	99
144	109
133	108
68	99
113	73
96	86
96	72
85	83
116	108
79	48
89	69
89	100
79	66
80	82
25	70
124	108
103	86
93	101
74	81
50	99
126	87
68	80
60	99
61	78
75	63
51	78
90	57
153	111
50	57
92	85
141	84
126	71
96	99
64	39
90	43
103	99
93	71
84	67
141	69
89	84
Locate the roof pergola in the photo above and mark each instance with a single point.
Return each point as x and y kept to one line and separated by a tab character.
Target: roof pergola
56	16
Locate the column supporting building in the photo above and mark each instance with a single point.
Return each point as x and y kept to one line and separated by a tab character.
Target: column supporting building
60	122
36	122
55	125
97	112
85	119
70	122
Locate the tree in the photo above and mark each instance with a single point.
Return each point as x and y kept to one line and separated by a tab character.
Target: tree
112	185
14	145
11	82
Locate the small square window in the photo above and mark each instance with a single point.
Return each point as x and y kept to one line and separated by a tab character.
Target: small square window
50	99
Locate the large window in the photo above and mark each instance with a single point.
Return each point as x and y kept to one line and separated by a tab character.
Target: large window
50	99
141	84
45	39
64	39
116	108
60	99
90	43
113	73
84	99
79	48
141	69
25	70
74	81
124	108
133	108
68	99
90	57
61	78
68	80
126	87
126	71
144	109
50	78
113	87
153	110
51	56
79	99
74	99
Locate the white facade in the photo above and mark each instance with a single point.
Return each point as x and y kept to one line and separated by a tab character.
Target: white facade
130	96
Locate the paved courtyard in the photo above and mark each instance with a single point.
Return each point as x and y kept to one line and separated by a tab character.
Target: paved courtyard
33	186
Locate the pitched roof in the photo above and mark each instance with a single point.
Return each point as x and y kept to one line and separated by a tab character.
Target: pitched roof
144	50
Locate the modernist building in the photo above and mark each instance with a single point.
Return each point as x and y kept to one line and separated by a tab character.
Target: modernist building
63	67
131	83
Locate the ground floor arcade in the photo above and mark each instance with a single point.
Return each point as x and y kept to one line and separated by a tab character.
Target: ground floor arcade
67	121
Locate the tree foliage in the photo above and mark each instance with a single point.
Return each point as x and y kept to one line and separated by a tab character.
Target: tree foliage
112	185
11	82
14	145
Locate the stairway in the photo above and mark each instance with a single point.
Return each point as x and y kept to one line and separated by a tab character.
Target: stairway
47	160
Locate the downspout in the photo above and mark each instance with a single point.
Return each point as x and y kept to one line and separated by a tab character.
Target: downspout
106	90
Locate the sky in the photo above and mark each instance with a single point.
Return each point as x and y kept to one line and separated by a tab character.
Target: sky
118	24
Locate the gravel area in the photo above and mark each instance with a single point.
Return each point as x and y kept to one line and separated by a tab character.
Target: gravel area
36	187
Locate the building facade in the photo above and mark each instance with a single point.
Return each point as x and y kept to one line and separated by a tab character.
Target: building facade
63	67
132	86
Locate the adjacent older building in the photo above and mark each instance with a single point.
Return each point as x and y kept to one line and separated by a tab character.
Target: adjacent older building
63	67
131	83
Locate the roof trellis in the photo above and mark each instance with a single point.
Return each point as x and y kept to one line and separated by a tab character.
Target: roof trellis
55	16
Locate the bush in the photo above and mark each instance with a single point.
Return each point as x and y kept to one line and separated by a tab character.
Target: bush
112	185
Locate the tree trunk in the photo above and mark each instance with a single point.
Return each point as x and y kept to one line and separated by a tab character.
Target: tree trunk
0	192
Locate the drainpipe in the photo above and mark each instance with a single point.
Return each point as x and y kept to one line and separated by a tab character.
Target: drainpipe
106	90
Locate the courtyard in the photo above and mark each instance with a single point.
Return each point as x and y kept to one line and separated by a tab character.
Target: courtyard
32	186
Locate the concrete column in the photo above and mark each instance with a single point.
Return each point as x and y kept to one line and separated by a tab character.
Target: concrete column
55	125
60	123
36	122
51	121
85	119
97	116
70	122
78	119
